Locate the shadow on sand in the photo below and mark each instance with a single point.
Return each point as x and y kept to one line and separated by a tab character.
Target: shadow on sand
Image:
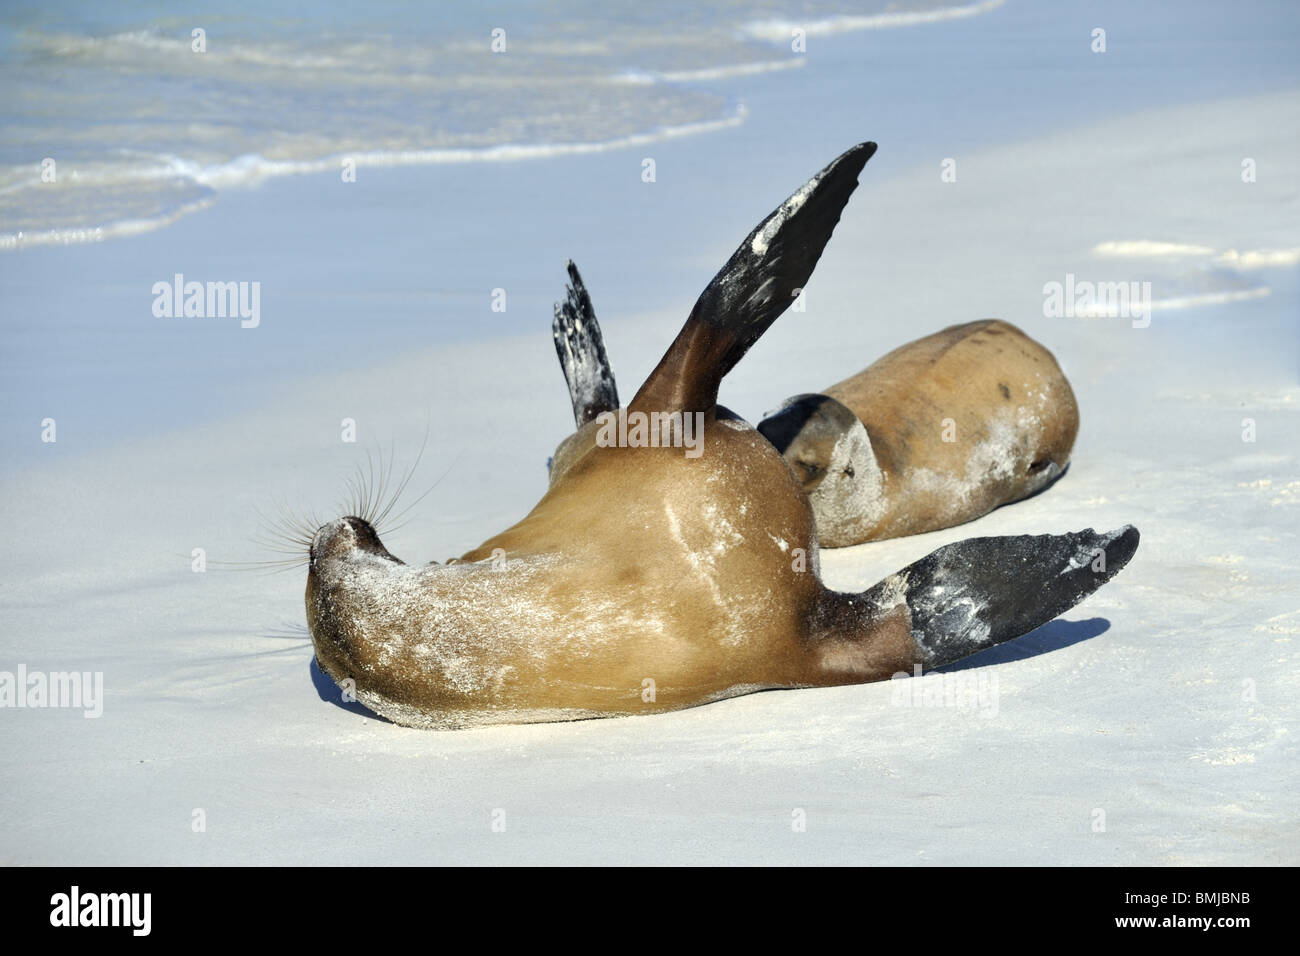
1052	636
331	693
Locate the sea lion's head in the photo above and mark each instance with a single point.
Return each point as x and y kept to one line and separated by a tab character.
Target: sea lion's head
830	453
346	571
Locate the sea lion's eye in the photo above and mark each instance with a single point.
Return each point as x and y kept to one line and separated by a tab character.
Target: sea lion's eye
810	469
848	470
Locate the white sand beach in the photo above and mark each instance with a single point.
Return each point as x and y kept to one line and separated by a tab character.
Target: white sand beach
1166	701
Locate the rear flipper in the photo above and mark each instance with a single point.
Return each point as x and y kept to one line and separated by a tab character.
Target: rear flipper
975	593
581	349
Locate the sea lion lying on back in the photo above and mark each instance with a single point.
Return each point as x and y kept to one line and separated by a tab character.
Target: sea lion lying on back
649	580
938	432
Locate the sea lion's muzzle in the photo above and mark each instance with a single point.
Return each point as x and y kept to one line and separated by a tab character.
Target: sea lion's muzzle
346	558
342	536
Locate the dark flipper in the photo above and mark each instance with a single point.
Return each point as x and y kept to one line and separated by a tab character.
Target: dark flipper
979	592
581	349
757	284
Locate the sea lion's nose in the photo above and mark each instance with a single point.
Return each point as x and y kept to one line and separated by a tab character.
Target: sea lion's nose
344	536
331	538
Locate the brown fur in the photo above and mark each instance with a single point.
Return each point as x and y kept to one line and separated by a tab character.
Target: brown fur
639	563
997	392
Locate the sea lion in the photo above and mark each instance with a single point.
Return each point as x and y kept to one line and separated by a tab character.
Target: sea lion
938	432
935	434
647	580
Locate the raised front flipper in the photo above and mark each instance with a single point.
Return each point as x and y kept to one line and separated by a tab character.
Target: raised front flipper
581	349
758	283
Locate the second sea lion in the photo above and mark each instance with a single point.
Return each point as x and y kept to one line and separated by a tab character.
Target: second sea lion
934	434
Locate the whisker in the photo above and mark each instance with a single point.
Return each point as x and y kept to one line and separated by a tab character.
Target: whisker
401	487
385	474
290	630
270	567
363	506
374	492
428	491
286	533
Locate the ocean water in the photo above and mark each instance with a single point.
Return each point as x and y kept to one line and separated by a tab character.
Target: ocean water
148	115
